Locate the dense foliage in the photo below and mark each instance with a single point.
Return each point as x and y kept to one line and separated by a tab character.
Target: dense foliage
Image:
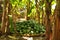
30	27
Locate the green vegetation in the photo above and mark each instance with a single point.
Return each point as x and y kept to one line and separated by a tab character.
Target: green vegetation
30	27
30	17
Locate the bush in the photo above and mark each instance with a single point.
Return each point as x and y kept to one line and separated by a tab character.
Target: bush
30	27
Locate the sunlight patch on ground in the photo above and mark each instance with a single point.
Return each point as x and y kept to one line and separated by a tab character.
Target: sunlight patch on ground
28	38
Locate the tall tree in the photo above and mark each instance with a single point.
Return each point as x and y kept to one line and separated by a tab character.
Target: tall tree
48	13
5	22
57	21
7	17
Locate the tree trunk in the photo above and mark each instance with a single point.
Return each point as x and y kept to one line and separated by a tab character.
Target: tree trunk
48	13
28	9
3	18
37	10
14	19
5	22
7	17
14	22
57	21
1	11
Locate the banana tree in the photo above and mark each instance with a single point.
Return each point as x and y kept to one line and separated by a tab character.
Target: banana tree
15	5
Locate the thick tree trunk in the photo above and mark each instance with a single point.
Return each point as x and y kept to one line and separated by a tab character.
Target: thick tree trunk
48	13
57	21
3	19
5	22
